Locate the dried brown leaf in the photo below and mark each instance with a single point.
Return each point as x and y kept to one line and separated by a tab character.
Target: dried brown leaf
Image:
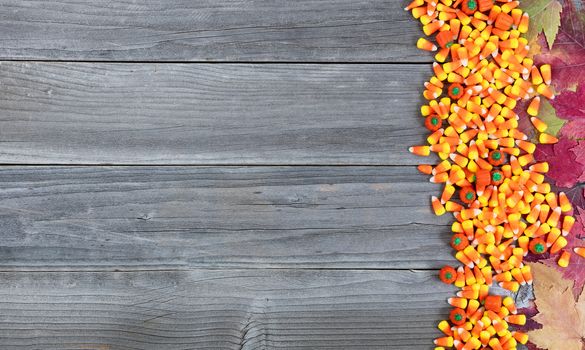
562	318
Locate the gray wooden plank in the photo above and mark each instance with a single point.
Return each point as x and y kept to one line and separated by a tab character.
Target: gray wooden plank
72	113
153	218
225	309
209	30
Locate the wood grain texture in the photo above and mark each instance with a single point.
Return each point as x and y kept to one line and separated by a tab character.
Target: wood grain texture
71	113
209	30
120	218
228	309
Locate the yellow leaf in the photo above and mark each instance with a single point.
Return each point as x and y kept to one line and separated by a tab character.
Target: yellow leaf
545	16
535	48
562	318
548	114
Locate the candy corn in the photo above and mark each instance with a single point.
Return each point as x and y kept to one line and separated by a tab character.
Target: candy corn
424	44
534	106
503	207
580	251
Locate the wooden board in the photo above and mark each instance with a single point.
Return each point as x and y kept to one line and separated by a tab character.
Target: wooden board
242	179
71	113
227	309
122	218
209	30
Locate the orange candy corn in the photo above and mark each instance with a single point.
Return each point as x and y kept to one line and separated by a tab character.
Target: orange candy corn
426	45
438	208
534	106
420	150
545	71
539	124
547	139
580	251
564	259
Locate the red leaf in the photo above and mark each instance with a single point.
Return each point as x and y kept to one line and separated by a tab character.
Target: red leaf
575	129
568	54
579	152
569	105
564	169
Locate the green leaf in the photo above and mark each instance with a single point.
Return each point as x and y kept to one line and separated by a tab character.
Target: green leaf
545	16
549	116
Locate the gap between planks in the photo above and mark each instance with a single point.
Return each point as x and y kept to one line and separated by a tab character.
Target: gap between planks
227	165
190	269
219	62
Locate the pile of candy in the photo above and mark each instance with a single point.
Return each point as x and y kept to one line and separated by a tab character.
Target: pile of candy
505	208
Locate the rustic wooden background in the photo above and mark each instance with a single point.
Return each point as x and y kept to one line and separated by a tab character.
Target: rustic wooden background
215	174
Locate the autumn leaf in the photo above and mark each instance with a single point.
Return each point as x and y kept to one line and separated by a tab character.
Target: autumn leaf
564	169
561	316
568	55
579	152
574	129
545	16
569	104
549	116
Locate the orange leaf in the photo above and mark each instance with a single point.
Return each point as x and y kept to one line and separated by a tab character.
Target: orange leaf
562	318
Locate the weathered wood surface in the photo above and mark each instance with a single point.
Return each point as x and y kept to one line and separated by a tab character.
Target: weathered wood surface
227	309
294	237
71	113
209	30
128	218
